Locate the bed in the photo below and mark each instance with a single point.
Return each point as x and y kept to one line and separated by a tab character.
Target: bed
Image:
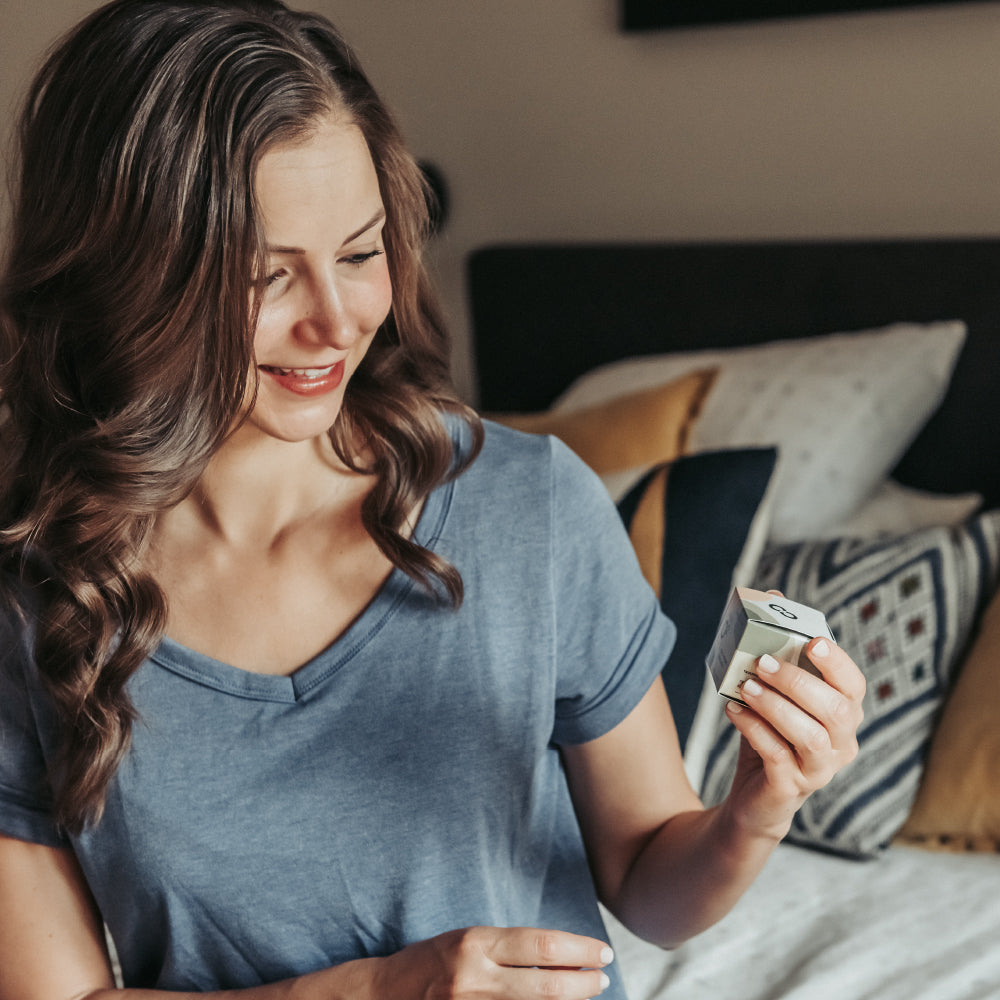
821	417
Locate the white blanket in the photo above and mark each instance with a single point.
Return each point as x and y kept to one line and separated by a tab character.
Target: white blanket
912	925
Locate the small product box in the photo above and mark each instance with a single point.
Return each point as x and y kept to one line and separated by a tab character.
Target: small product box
755	623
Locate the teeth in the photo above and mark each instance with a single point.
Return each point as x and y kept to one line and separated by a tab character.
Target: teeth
304	372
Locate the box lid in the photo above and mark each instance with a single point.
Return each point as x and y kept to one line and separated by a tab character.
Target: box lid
770	609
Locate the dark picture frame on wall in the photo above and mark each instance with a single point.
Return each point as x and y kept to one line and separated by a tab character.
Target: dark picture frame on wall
647	15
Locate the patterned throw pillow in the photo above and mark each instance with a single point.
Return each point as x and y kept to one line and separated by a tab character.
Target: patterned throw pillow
905	609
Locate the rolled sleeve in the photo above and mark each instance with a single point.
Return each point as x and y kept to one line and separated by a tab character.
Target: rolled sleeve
25	788
612	639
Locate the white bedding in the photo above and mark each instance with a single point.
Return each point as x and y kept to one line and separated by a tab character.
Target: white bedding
912	925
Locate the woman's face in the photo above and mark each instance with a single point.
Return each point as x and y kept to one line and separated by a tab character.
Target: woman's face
327	287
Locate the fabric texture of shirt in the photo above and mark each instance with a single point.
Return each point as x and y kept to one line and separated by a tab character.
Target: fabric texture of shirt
404	782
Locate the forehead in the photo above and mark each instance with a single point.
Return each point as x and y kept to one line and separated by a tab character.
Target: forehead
327	178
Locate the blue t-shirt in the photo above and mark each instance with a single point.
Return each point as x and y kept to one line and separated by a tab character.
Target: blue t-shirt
405	782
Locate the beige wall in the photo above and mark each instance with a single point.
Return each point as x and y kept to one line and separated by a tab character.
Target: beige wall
549	122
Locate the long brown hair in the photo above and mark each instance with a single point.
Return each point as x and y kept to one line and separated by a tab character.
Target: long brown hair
127	341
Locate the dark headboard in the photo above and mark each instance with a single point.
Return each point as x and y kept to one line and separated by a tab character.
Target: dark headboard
543	314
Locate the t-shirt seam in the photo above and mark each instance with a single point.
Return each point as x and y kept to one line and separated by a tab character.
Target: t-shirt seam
435	534
196	676
20	799
37	818
634	651
362	641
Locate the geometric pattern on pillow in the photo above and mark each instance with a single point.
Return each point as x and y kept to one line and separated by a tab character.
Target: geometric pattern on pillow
904	608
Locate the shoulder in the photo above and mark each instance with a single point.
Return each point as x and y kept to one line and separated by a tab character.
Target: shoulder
534	463
532	490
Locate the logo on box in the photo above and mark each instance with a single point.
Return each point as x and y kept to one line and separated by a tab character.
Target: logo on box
754	623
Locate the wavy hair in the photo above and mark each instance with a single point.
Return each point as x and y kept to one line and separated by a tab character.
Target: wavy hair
127	335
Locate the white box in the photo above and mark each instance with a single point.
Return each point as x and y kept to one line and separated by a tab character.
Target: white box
755	623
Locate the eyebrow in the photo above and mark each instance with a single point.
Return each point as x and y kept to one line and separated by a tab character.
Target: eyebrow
378	217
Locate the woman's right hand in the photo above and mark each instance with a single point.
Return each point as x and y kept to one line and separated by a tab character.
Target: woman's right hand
496	963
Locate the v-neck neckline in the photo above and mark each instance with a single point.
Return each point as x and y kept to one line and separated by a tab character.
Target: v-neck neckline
242	683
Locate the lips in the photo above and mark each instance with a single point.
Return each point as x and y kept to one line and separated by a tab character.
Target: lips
306	381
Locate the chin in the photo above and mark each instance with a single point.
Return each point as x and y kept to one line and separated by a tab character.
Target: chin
293	424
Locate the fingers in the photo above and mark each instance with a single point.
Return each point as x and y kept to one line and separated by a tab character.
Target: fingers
818	717
531	947
549	963
834	699
566	984
834	664
837	668
497	963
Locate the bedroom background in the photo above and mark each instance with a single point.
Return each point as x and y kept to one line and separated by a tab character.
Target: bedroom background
549	122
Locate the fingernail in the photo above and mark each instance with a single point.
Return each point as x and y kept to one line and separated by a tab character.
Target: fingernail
821	648
734	707
605	981
750	686
768	664
607	956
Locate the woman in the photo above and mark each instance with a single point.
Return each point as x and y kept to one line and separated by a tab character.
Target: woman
307	689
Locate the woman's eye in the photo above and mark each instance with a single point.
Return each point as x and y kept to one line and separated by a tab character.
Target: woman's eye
357	259
276	276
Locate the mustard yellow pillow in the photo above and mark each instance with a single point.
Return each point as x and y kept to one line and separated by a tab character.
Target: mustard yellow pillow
958	802
627	432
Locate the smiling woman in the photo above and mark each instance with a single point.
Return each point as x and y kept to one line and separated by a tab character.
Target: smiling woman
328	287
129	352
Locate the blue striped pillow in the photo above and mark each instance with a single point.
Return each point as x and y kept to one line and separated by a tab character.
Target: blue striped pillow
905	608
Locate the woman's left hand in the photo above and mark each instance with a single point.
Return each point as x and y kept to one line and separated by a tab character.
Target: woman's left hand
798	731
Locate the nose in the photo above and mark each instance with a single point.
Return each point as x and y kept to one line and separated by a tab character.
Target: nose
324	316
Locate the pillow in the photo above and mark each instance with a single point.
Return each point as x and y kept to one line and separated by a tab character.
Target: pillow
697	524
640	429
895	509
619	483
842	409
958	802
904	608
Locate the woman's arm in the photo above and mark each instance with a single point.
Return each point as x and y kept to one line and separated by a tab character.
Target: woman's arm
52	948
51	938
666	867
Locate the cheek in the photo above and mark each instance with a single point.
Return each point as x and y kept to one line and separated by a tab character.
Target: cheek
274	320
265	333
376	300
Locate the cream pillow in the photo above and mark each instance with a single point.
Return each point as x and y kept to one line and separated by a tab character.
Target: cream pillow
895	509
842	409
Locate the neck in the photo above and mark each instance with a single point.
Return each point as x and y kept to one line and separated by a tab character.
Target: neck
254	490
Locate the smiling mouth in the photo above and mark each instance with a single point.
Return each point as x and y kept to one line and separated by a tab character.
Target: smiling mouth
312	373
306	381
